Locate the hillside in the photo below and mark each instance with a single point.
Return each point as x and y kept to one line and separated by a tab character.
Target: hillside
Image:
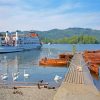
58	33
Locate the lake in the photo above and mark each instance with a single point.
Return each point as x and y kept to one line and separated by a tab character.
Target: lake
28	61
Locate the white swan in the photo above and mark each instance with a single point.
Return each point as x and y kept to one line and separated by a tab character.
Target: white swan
15	77
26	75
4	76
57	78
16	74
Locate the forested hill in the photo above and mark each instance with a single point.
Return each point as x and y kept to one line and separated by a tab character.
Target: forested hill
58	34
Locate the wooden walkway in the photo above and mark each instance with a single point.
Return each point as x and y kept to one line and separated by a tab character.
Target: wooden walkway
74	75
78	84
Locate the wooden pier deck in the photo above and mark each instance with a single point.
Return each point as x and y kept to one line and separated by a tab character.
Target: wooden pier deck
74	75
78	83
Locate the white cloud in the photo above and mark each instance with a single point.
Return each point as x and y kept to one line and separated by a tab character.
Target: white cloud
13	18
36	22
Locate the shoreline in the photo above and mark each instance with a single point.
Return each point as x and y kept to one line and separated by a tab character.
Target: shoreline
27	93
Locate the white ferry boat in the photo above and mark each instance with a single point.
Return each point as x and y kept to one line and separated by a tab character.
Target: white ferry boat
15	43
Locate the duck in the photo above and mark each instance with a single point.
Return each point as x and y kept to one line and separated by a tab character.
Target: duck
41	81
26	75
57	78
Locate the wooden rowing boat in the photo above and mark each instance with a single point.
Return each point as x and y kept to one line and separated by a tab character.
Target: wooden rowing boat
53	62
93	57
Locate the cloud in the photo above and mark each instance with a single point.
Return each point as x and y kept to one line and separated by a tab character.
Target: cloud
26	10
26	15
36	22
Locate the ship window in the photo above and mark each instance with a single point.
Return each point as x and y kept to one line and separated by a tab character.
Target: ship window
2	38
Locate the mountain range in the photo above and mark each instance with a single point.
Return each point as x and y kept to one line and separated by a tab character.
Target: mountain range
61	33
58	33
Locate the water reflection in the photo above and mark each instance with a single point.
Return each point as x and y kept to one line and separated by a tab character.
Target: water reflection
16	65
28	61
96	79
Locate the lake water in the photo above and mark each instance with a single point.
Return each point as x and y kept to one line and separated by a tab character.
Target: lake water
28	61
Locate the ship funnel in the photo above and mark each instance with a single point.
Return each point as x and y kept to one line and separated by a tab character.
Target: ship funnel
7	33
16	37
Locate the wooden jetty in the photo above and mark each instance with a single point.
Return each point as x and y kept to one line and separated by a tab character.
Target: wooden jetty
78	83
78	76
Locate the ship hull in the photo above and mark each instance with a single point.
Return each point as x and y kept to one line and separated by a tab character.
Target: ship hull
31	46
9	49
6	49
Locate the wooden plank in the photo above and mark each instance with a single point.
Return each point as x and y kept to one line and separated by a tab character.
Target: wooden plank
73	75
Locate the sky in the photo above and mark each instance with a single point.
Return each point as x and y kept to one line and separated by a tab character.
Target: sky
49	14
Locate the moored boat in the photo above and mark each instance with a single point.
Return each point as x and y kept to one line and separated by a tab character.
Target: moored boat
53	62
65	56
94	68
93	59
16	43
